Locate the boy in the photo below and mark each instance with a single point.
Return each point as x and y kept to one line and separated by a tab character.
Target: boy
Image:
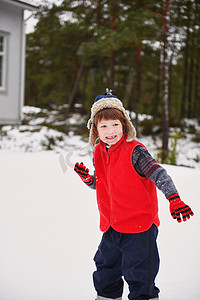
126	177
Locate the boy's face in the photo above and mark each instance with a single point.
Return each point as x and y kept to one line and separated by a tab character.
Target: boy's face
110	131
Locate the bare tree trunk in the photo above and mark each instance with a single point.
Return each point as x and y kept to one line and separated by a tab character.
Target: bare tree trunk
165	79
186	64
190	111
156	99
185	79
190	88
72	97
197	73
112	59
196	91
138	83
112	64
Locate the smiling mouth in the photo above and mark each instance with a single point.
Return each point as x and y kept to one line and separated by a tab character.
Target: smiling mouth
111	137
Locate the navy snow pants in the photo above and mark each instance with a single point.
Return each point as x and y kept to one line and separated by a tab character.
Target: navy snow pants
133	256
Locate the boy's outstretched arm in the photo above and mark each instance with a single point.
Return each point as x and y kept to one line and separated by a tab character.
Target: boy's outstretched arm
147	166
83	172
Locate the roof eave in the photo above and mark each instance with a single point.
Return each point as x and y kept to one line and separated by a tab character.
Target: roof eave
21	4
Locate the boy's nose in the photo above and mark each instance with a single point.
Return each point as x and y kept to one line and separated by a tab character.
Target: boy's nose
110	130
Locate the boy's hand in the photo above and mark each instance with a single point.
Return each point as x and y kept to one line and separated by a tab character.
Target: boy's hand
83	172
178	207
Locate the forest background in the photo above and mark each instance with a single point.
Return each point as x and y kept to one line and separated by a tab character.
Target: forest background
147	51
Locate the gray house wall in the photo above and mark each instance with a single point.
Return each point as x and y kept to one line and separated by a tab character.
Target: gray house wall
12	97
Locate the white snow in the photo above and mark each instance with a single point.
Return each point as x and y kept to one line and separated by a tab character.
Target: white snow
49	231
49	219
31	109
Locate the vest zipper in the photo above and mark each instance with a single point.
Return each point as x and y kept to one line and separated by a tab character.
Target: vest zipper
109	186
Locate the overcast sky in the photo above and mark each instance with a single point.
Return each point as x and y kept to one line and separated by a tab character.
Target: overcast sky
30	20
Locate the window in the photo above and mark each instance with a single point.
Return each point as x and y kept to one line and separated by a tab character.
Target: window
3	42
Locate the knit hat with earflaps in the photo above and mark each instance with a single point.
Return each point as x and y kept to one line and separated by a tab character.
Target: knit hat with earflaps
108	100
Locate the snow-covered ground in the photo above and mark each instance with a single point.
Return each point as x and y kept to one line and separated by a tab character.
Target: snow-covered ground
49	224
49	231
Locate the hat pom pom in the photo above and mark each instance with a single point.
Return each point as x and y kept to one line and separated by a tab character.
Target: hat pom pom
109	91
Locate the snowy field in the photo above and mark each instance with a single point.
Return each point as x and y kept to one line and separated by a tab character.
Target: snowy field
49	231
49	220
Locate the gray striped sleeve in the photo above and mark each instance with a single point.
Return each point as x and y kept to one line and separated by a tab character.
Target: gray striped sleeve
146	166
93	185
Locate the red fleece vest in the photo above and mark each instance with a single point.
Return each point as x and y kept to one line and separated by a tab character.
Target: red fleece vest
126	201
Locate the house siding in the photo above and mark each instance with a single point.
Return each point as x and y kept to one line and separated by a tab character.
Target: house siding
11	99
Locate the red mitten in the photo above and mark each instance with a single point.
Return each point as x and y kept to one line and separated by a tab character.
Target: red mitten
178	207
83	172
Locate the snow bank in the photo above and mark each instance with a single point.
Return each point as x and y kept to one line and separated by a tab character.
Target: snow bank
50	130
